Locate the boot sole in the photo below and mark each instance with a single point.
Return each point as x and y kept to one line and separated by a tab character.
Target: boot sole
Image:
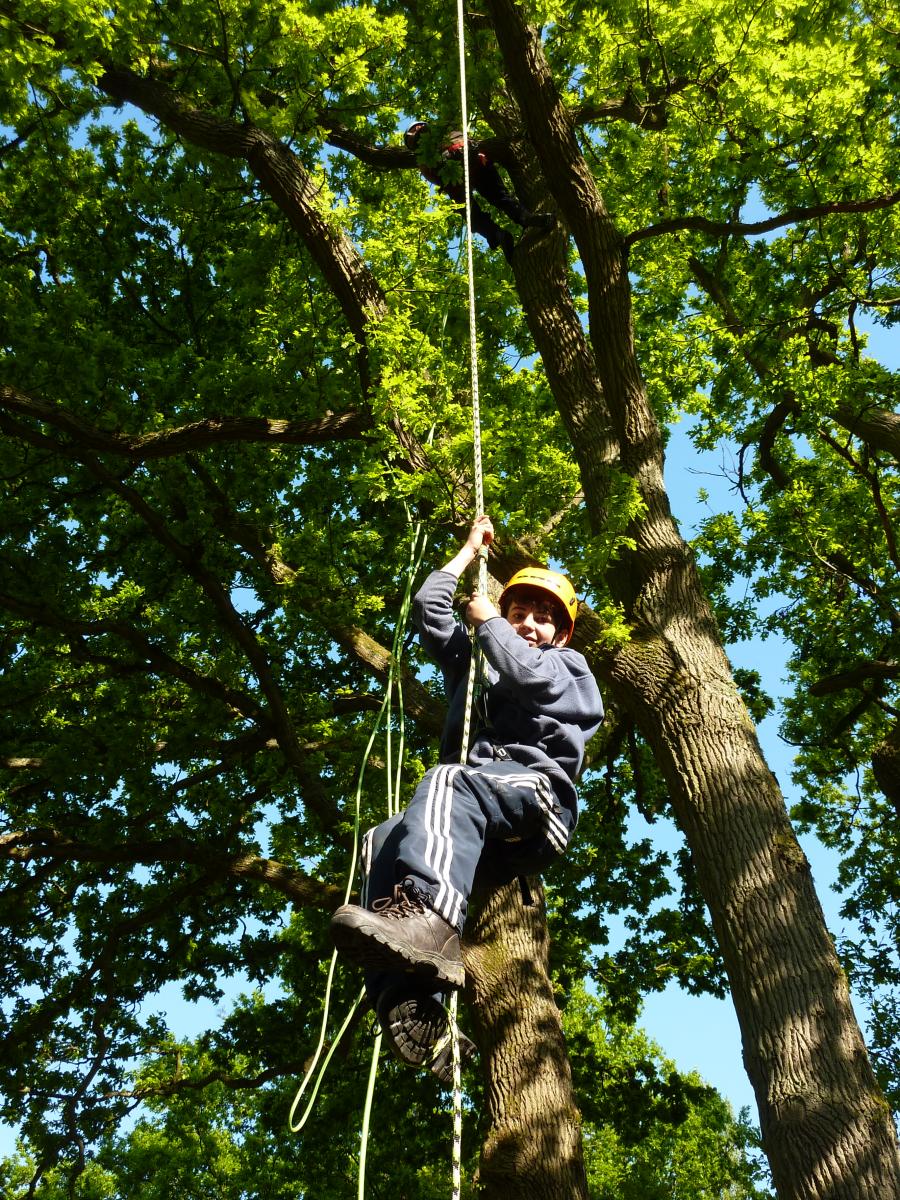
414	1027
368	946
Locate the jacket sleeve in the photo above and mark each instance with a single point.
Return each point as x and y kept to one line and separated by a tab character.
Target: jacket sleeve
552	680
440	633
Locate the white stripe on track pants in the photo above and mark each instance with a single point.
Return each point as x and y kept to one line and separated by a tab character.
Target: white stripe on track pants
462	818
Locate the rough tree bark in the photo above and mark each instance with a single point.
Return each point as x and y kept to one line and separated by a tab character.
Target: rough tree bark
826	1127
532	1149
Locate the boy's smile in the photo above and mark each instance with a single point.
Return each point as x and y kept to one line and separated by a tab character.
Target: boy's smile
533	620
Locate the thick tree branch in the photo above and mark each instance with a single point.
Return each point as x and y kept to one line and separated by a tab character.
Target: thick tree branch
878	428
541	271
40	845
793	216
653	115
277	168
282	175
854	676
384	158
772	426
140	447
886	766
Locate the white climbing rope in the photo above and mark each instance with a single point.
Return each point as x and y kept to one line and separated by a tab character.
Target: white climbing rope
457	1097
473	328
474	665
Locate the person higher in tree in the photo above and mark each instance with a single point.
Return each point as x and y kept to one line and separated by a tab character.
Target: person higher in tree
484	178
508	812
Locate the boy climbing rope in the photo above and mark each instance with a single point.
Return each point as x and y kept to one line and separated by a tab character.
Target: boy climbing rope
485	179
508	811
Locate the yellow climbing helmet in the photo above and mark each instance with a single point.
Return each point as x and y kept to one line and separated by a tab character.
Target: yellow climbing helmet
552	584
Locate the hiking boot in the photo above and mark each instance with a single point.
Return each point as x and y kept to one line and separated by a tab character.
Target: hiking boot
400	933
417	1030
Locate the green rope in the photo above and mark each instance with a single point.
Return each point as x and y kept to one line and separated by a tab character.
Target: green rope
416	555
367	1116
295	1128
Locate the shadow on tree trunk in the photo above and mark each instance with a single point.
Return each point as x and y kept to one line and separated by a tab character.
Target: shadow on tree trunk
532	1146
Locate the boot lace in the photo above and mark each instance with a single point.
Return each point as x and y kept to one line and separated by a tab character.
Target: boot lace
407	901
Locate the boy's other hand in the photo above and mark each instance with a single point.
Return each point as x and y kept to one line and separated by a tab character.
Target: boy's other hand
480	609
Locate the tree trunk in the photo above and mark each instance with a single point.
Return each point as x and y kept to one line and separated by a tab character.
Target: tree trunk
826	1127
532	1148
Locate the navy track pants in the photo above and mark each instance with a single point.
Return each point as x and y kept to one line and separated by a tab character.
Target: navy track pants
466	827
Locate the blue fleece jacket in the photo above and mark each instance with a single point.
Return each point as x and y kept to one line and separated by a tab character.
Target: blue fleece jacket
543	703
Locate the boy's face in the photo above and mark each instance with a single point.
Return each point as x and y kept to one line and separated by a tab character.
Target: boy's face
536	619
